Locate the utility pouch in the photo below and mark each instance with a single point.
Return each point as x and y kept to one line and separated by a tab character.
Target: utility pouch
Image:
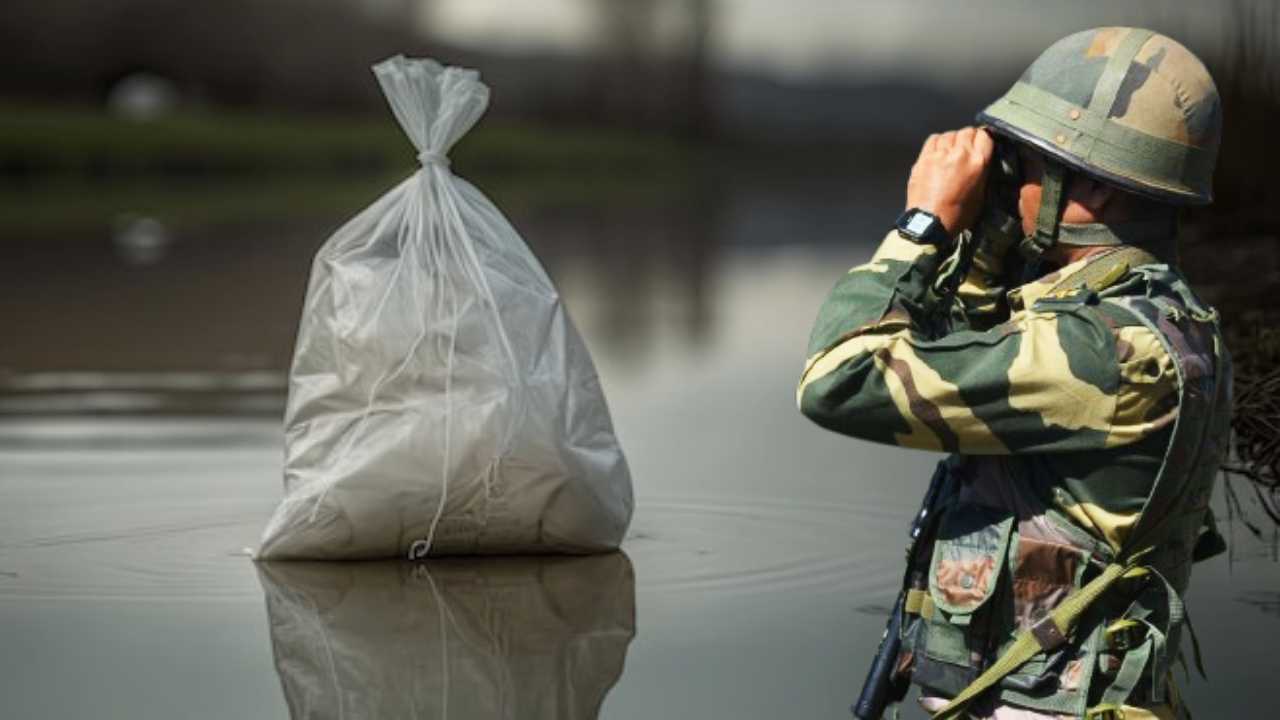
1044	574
968	563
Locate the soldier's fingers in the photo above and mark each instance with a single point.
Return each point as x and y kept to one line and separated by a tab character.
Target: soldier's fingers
930	143
964	137
945	141
984	144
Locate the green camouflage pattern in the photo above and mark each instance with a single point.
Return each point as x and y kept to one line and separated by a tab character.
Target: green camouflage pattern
1048	379
1154	128
1064	415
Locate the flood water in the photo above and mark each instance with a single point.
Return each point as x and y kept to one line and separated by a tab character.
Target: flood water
140	454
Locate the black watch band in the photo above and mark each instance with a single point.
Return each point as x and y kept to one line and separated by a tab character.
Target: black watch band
922	227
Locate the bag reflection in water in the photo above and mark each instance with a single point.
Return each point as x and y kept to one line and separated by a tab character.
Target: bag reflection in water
534	638
440	400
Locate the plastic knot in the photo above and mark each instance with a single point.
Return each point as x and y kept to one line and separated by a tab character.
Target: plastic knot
431	157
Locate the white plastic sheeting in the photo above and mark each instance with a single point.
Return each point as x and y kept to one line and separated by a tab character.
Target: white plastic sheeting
440	399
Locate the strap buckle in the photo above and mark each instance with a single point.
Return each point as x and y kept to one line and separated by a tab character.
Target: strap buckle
919	602
1105	712
1125	635
1048	634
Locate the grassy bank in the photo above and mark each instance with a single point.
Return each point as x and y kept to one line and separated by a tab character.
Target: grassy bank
65	167
68	142
58	206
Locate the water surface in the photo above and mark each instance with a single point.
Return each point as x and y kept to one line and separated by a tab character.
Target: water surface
139	462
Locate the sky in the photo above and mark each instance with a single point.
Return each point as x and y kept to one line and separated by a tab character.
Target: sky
942	39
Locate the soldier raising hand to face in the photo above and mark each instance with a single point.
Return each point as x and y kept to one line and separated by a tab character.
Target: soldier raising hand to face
950	176
1086	405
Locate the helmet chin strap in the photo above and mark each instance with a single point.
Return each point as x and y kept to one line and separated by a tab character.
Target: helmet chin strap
1156	234
1052	196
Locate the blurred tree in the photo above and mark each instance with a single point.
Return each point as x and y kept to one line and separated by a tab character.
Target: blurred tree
623	82
698	85
651	77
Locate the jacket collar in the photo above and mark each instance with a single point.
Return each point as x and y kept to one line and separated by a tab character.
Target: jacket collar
1157	236
1026	295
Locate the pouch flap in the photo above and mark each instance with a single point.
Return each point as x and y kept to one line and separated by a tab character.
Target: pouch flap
968	557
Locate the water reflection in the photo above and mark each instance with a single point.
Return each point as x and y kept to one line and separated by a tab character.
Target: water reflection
146	303
1267	602
528	638
140	240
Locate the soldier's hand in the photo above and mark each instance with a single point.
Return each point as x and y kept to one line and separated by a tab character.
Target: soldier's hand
950	175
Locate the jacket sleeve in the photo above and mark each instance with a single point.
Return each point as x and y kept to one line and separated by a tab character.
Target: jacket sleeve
1057	377
981	295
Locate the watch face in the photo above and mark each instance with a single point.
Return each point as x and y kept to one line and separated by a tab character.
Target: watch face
919	224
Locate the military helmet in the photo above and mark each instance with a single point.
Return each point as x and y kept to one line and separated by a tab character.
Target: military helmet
1129	106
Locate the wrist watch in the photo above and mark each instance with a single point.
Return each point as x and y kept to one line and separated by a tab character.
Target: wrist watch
922	227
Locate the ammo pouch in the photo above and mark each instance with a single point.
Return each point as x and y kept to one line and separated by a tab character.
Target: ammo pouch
985	583
967	566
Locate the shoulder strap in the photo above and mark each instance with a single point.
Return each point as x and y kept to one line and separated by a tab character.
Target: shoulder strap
1104	270
1196	403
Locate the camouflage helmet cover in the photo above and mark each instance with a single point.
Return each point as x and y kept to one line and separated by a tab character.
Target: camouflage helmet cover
1129	106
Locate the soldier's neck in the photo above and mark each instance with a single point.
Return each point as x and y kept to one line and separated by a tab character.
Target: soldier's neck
1157	235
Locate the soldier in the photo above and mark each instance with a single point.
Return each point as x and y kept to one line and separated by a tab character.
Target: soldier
1045	337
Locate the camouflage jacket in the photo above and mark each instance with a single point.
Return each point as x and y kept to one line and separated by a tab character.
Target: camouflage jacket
1062	409
1045	382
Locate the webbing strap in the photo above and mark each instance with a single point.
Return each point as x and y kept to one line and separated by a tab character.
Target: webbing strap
1130	672
1113	75
1118	153
1052	195
1195	645
919	602
1096	118
1150	233
1168	490
1087	235
1056	625
1175	699
1103	271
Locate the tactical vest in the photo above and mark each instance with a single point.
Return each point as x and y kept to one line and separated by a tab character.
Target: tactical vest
1108	631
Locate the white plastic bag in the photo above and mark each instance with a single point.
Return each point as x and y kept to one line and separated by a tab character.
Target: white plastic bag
440	400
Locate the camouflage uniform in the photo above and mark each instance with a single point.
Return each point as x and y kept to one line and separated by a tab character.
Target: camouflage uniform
1077	406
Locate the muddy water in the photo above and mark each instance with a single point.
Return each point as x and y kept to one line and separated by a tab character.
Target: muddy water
753	583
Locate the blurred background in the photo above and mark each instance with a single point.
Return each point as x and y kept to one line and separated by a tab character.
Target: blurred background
695	174
167	169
